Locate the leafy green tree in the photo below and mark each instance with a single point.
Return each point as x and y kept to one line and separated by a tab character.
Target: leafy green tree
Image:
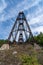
39	39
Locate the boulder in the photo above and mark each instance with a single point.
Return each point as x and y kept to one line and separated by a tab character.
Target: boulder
4	47
36	46
15	52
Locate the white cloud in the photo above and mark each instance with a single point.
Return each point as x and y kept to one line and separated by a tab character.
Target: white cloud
38	29
38	12
3	6
24	5
2	18
37	19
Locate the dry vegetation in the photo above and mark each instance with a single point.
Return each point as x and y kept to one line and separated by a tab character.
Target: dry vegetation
21	55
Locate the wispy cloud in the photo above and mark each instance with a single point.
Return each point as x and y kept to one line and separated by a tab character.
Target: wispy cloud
24	5
37	19
9	9
38	29
3	5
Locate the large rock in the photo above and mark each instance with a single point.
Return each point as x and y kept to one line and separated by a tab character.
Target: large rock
36	46
5	47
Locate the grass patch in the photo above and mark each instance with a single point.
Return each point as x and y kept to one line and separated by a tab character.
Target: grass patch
28	59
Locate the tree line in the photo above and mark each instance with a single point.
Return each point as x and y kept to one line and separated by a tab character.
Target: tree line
38	38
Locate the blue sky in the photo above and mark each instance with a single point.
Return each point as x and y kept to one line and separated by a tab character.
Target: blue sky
9	10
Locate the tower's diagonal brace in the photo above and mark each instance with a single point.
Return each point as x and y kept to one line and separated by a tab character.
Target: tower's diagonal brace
28	27
12	29
21	19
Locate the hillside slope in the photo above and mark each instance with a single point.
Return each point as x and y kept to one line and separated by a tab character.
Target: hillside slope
21	55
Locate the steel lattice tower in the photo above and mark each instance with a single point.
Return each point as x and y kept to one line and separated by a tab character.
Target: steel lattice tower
21	26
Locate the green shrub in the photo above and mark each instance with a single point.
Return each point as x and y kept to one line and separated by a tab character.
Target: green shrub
3	42
29	60
39	39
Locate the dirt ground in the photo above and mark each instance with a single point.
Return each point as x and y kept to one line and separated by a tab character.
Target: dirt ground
17	53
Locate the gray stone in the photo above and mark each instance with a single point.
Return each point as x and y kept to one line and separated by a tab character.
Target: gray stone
15	52
4	47
36	46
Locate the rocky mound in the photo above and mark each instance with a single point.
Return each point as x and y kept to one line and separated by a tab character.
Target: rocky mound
21	55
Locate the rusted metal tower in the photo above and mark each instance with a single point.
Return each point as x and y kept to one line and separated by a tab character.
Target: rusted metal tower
21	30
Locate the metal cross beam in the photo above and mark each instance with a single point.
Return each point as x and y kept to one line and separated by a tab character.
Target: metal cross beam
21	26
